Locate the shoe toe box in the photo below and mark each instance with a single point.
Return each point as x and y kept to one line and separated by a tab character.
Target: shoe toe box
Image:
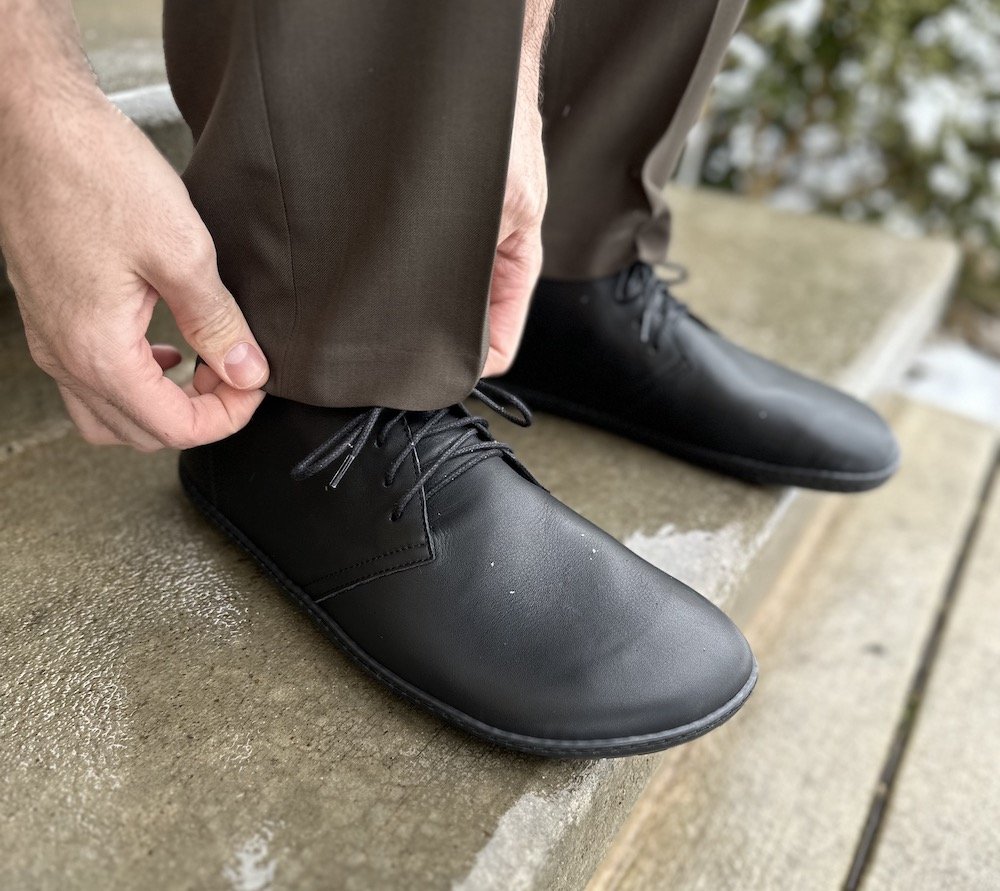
840	438
771	424
549	630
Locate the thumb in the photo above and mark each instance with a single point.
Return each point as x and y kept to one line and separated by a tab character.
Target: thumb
212	323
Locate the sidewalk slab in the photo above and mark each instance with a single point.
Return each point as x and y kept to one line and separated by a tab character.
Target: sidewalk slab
943	824
777	798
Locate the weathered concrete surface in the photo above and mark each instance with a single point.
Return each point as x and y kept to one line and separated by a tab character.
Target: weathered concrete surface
171	721
943	824
777	799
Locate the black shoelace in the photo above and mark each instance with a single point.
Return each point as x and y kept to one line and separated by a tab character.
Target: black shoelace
640	283
471	442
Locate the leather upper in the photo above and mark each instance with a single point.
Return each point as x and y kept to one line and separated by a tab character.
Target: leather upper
490	596
687	387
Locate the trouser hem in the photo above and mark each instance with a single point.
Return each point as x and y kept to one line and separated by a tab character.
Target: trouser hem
376	374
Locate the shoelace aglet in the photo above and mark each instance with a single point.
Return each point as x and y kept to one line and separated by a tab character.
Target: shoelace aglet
342	470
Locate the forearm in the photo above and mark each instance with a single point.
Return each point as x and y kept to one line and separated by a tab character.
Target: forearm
47	95
537	15
41	56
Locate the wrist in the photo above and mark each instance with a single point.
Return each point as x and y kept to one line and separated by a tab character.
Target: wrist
537	14
44	132
45	92
43	68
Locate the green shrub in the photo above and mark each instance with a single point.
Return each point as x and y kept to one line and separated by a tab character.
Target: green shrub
872	109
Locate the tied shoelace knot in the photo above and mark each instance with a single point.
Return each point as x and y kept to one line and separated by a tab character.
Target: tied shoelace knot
640	283
471	440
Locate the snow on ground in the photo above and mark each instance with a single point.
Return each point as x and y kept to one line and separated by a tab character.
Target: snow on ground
951	374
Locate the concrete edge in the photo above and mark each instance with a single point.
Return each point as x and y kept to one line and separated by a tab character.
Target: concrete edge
148	106
907	326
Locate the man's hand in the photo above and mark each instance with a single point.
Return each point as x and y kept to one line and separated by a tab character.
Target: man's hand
96	227
518	260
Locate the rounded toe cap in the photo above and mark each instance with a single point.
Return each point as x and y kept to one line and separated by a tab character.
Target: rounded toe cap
704	669
671	667
855	448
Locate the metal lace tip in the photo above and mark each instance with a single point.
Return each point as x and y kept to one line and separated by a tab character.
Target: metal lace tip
339	475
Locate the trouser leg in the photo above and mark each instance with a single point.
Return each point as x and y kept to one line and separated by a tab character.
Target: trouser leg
624	83
350	163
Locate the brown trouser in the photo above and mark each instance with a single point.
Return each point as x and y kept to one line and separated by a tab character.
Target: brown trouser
351	156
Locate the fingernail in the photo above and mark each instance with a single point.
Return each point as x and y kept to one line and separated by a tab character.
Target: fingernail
246	366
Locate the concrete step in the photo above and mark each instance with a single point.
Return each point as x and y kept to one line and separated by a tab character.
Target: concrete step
942	827
171	720
781	798
124	41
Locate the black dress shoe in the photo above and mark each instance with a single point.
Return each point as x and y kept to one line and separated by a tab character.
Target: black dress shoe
622	353
428	552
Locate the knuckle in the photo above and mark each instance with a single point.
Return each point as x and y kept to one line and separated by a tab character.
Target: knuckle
190	255
170	438
216	324
43	358
200	253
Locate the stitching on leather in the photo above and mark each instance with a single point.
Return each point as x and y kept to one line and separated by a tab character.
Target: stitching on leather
360	563
354	583
394	567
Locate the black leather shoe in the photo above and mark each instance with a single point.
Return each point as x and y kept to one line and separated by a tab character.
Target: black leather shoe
622	353
427	551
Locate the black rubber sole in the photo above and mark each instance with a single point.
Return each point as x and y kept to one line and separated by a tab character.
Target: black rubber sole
553	748
747	469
